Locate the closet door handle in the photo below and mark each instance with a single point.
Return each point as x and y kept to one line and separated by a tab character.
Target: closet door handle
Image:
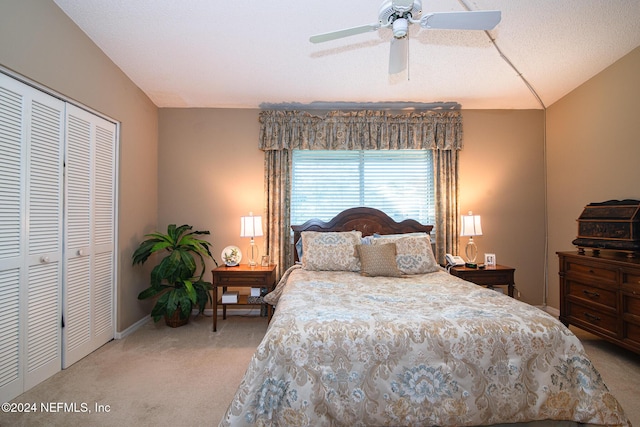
44	259
81	252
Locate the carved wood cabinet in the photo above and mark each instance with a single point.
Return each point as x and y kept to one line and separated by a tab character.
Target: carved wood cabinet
600	293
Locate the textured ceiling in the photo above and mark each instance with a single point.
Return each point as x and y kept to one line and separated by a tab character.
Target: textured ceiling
206	53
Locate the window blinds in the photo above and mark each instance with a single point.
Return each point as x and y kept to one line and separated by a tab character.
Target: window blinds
398	182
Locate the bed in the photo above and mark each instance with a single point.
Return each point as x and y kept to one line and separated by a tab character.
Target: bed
370	331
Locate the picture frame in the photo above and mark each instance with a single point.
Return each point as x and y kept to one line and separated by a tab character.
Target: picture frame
264	262
490	260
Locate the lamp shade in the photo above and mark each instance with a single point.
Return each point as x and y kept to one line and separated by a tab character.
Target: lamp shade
251	226
471	225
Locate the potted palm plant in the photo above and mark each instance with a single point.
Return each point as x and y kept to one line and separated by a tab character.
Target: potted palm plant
177	280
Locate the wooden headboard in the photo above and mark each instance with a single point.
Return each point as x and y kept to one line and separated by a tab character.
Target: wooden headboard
366	220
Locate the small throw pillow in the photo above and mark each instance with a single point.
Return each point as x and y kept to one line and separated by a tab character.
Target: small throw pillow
414	255
378	260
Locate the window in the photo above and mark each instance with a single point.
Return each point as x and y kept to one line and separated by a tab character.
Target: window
398	182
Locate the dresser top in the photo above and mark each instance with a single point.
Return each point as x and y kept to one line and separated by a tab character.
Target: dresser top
605	255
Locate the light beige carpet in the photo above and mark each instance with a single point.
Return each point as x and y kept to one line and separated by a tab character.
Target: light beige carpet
157	376
187	376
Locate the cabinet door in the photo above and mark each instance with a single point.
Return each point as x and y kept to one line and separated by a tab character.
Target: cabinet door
89	230
630	308
31	138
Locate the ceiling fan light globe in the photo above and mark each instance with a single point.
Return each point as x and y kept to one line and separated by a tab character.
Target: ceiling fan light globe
400	28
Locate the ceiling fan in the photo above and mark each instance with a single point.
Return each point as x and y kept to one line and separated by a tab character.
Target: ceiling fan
399	14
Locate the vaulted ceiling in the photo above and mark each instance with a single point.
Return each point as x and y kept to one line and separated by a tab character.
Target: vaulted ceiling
251	53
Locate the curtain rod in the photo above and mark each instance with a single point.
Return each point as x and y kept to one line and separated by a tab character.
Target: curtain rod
322	105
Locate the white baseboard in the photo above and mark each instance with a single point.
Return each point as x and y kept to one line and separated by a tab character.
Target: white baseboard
131	329
207	312
552	311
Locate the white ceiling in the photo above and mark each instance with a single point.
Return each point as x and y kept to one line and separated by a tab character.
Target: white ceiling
244	54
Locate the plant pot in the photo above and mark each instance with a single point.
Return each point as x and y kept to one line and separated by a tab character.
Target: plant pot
175	321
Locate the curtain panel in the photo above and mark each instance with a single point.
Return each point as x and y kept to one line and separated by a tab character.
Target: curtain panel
283	131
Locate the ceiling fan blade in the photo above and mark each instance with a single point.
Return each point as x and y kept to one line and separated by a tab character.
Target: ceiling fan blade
319	38
467	20
398	55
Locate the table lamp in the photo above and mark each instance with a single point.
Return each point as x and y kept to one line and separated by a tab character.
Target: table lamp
251	226
471	226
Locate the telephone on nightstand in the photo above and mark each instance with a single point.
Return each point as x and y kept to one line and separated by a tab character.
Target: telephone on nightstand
454	260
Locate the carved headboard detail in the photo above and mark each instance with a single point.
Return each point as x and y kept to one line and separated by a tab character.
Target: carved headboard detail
366	220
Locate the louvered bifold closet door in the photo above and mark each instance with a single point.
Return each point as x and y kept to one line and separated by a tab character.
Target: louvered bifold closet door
11	230
89	231
31	141
44	241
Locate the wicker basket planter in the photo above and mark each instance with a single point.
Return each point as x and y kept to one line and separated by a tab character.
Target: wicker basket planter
175	321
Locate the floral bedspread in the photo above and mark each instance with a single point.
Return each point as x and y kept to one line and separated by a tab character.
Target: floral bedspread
348	350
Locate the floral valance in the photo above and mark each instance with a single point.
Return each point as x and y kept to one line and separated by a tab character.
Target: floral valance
360	130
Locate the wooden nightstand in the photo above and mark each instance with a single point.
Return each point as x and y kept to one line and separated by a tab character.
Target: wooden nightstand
501	275
242	276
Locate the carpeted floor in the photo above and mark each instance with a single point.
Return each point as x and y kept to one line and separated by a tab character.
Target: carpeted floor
187	376
157	376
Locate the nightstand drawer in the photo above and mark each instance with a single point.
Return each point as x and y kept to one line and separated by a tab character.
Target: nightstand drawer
490	277
244	279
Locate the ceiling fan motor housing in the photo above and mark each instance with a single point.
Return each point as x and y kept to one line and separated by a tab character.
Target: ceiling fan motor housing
389	12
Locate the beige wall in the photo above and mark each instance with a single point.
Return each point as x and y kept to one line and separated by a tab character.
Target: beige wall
502	179
593	152
39	41
211	173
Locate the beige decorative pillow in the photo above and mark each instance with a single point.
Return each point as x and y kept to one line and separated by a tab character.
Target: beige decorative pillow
335	251
413	253
378	260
